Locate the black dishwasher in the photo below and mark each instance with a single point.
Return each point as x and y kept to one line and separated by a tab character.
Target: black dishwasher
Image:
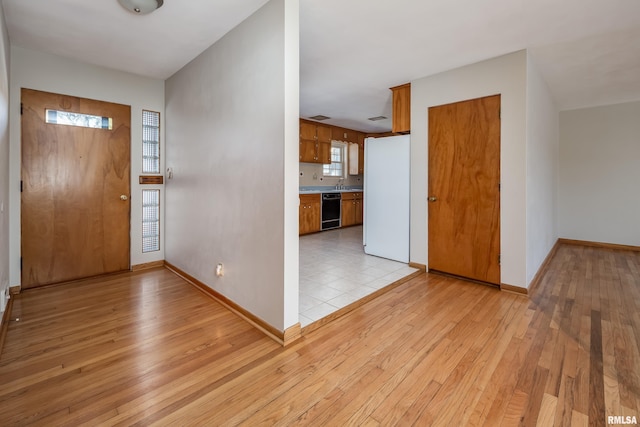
331	210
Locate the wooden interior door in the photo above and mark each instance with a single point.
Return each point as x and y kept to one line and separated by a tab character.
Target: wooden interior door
75	208
464	189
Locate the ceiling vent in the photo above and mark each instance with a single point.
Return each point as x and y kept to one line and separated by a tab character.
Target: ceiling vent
377	118
319	117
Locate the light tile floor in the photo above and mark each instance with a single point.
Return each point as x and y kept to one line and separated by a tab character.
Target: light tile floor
335	272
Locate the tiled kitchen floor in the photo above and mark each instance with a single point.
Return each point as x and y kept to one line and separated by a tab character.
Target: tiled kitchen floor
335	271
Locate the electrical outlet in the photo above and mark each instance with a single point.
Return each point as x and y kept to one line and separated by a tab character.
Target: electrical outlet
220	270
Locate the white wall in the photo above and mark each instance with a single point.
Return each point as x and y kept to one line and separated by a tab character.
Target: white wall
232	126
598	192
4	161
542	170
505	75
291	157
35	70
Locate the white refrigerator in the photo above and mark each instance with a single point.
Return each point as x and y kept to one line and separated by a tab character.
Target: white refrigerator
386	197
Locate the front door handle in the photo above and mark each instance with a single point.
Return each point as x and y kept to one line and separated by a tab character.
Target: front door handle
123	197
432	199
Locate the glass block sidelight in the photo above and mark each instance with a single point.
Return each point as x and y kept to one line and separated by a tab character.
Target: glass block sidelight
150	142
150	220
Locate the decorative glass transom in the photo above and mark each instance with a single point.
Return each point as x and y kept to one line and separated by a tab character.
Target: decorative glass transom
68	118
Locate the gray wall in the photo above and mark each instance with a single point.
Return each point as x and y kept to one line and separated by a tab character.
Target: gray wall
4	160
232	143
599	174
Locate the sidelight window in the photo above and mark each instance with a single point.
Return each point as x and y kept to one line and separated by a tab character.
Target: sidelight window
150	142
150	220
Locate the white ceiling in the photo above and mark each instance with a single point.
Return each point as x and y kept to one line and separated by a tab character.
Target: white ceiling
352	51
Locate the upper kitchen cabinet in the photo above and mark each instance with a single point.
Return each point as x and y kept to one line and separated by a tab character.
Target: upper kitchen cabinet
344	135
324	143
360	153
401	118
356	155
315	142
308	151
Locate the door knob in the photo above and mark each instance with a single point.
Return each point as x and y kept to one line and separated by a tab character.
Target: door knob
432	198
123	197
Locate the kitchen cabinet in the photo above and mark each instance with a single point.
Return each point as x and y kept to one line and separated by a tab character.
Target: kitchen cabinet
354	159
309	213
352	208
307	142
356	155
324	143
344	135
360	153
315	142
401	115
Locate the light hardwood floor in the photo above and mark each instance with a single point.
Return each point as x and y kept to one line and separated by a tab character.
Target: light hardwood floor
146	348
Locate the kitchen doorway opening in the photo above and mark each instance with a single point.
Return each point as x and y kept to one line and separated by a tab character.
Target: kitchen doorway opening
335	272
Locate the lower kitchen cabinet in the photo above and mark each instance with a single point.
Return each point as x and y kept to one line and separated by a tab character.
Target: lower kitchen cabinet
360	210
352	209
309	213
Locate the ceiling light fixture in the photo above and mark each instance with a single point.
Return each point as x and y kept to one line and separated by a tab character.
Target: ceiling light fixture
377	118
141	7
319	117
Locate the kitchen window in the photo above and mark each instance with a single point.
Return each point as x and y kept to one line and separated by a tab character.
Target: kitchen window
336	167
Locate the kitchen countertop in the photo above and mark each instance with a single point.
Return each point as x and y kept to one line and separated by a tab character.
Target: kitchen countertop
332	189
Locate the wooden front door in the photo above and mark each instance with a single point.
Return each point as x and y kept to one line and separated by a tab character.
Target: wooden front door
75	189
464	189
